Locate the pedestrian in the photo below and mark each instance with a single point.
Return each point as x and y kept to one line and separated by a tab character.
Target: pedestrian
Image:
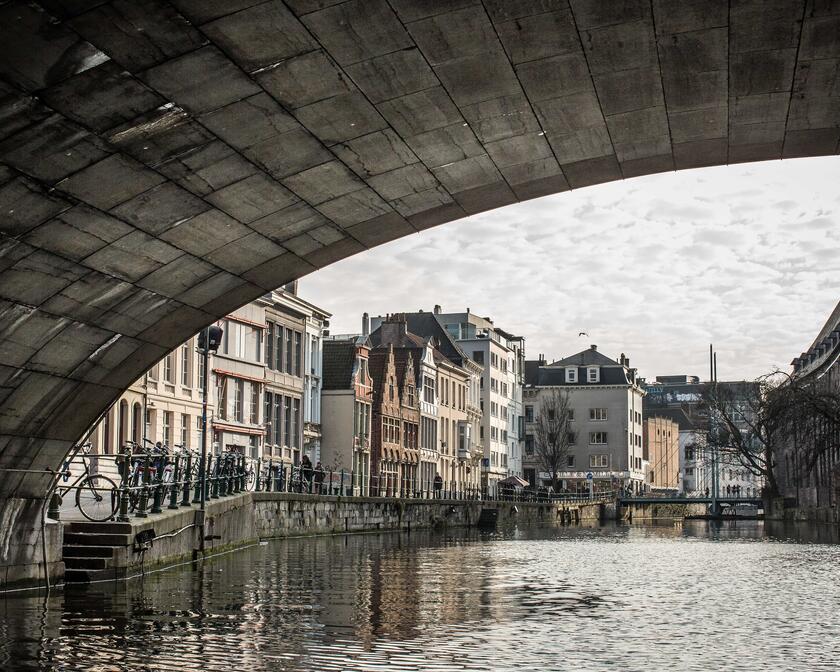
319	478
306	474
438	485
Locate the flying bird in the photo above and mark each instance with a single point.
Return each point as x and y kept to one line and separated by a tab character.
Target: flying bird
583	333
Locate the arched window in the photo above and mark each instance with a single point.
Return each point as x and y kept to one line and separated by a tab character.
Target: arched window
122	424
137	423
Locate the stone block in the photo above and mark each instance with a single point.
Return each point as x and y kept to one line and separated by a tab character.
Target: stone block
292	152
138	35
261	35
252	198
519	149
629	90
201	81
761	72
420	112
423	202
250	121
355	207
530	171
554	77
681	16
445	145
539	36
467	174
454	35
291	221
243	254
622	46
132	256
403	181
393	75
700	153
700	124
304	79
208	168
591	171
205	232
375	153
160	208
381	230
178	276
114	180
485	197
25	205
500	118
583	145
324	182
35	278
473	79
358	30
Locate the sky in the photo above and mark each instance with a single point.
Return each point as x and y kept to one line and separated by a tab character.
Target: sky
746	257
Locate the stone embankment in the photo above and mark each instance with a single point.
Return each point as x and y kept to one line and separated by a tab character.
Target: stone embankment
109	551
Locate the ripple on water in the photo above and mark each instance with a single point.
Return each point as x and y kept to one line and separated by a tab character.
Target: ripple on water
688	597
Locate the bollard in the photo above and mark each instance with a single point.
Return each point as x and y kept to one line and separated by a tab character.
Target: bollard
122	516
258	479
270	483
173	495
157	492
54	510
185	500
144	490
197	496
341	484
243	470
207	484
215	485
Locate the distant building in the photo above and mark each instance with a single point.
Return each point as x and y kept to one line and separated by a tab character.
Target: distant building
606	402
346	409
816	484
502	355
461	451
661	452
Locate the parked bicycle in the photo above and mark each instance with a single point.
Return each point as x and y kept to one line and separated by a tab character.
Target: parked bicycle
97	496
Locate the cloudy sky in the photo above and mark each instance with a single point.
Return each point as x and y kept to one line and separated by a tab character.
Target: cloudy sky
746	257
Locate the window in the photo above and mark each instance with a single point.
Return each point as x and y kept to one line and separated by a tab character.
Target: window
570	460
255	404
571	415
571	374
243	341
298	363
529	414
504	389
238	398
168	366
391	388
428	389
167	427
269	345
287	436
478	357
529	444
221	406
689	471
599	461
689	453
186	352
278	348
295	422
201	373
411	395
572	438
592	374
185	429
290	335
597	438
597	413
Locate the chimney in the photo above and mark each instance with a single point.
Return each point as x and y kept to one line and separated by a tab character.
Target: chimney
621	359
365	324
593	347
393	328
438	309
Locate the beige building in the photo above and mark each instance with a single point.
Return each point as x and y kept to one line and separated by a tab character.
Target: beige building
455	425
662	452
264	392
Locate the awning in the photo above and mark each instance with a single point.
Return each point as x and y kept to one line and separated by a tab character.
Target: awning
515	481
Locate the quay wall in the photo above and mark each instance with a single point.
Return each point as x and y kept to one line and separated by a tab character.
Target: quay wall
663	511
246	518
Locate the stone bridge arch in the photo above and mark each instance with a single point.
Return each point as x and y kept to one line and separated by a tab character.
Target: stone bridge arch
162	163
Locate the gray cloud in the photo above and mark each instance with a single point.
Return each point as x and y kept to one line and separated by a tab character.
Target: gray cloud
655	267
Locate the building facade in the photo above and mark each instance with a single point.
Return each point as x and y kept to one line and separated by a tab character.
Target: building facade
808	474
606	404
661	452
346	409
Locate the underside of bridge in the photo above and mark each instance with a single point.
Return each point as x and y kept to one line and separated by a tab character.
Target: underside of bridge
162	163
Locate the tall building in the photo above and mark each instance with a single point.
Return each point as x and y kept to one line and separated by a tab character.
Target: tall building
346	403
661	452
807	475
605	398
267	365
460	391
502	356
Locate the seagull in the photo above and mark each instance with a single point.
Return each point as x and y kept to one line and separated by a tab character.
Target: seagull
583	333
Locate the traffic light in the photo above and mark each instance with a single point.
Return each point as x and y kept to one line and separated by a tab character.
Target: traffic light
215	338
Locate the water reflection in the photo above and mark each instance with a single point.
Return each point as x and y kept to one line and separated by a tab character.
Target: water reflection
696	595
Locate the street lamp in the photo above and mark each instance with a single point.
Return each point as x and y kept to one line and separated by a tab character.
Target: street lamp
208	340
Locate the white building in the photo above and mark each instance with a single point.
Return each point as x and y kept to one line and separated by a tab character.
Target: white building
605	397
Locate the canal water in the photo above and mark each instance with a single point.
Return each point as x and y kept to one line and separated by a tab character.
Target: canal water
687	596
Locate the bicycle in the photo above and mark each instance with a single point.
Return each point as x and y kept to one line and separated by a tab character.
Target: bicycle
90	500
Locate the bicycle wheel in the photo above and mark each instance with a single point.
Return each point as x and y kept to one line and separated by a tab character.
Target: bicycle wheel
97	498
251	480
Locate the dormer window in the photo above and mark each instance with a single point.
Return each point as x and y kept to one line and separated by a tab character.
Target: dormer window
571	374
593	374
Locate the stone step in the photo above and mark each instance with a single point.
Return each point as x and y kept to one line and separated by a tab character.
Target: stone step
96	539
86	563
87	575
75	551
109	527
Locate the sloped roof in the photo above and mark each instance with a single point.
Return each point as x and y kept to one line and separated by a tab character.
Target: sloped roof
588	357
554	376
428	325
339	358
677	415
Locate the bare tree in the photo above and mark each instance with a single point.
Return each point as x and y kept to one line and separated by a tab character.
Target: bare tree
752	422
553	433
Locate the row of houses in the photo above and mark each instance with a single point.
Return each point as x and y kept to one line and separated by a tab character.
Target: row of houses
417	397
